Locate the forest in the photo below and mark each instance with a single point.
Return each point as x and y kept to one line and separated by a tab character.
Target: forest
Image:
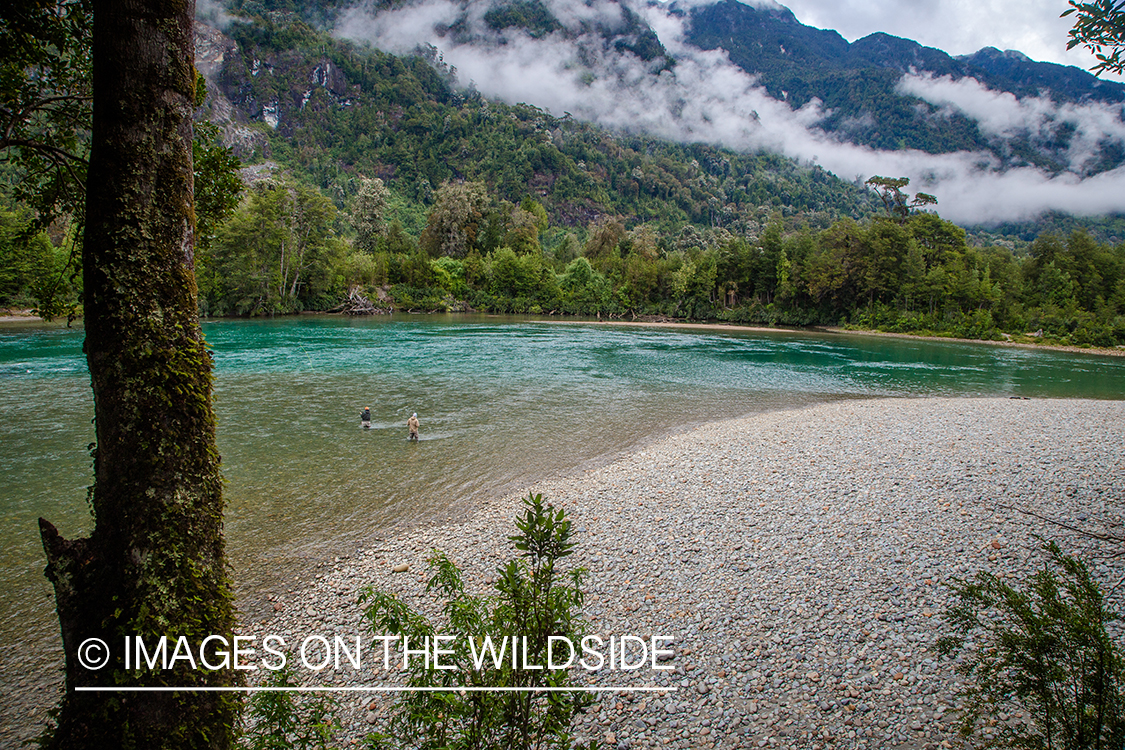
287	248
383	186
910	273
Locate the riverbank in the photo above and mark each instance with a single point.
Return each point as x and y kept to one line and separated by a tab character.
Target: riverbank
1118	351
17	313
798	557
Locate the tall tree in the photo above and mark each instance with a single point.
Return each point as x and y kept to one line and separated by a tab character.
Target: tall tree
453	226
898	203
272	249
368	213
155	563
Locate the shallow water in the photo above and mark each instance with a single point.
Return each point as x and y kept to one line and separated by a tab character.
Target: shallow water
502	403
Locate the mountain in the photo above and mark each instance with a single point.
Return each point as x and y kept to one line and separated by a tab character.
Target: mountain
1015	72
860	84
333	111
996	136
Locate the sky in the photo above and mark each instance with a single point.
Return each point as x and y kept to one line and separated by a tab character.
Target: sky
708	99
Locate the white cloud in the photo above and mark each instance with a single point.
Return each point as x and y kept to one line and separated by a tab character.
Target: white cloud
400	30
573	15
708	99
213	13
970	195
1002	114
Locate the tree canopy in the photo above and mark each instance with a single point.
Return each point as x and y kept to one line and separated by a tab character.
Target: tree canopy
45	101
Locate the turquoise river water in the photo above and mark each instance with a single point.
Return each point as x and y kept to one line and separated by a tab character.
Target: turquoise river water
502	402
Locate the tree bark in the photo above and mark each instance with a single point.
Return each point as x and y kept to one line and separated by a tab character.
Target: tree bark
154	565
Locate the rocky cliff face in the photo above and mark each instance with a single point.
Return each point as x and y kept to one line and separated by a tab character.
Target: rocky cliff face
212	51
244	88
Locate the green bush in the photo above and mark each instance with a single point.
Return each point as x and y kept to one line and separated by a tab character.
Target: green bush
1040	654
278	719
420	299
534	600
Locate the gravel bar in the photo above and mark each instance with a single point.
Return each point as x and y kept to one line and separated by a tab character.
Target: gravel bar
799	558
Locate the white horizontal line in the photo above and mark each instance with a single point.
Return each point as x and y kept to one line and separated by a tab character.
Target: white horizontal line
297	689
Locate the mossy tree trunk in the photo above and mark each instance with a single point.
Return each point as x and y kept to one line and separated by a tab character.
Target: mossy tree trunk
154	564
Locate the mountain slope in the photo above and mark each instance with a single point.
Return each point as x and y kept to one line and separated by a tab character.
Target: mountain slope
1015	72
995	136
860	85
335	110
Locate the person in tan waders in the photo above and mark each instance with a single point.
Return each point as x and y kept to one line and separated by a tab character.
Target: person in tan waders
412	425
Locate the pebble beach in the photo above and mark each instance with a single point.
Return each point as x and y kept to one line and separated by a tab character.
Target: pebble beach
800	559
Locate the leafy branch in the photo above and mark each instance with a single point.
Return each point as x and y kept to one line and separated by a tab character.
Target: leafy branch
1097	26
534	602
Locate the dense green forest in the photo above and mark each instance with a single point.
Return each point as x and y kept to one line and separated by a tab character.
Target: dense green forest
479	252
368	113
287	248
375	184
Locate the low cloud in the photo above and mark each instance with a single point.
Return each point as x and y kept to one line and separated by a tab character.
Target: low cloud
213	13
573	15
1001	114
400	30
708	99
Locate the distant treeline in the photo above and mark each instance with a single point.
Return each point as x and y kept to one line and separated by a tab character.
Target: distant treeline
286	248
282	251
909	275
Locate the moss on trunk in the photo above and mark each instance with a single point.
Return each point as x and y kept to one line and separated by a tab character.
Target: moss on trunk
154	564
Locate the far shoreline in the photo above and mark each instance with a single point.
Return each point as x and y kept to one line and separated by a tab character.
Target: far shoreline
13	316
1114	352
733	327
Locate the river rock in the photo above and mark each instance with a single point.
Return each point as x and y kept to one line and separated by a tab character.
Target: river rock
800	559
